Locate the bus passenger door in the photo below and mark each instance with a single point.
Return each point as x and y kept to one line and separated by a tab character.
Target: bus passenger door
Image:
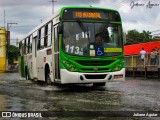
56	59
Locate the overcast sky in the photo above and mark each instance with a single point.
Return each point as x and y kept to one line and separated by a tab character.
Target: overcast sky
29	13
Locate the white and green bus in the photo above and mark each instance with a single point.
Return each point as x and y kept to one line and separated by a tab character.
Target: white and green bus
76	45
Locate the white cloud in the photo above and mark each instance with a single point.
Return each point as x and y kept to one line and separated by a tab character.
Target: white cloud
140	17
125	9
138	26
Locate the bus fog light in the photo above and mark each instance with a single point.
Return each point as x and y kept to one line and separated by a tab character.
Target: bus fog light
81	77
110	77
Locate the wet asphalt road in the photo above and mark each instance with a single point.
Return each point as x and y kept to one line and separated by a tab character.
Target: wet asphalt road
135	94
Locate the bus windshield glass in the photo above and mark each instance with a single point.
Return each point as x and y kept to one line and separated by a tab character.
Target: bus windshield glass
92	39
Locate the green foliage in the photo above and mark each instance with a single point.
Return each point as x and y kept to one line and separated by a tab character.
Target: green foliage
12	54
135	37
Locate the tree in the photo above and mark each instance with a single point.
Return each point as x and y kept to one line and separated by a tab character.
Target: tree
12	54
135	37
147	36
156	38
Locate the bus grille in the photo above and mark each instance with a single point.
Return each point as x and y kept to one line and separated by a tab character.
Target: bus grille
102	76
91	69
94	63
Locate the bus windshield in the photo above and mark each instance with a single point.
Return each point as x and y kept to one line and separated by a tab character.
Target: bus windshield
92	39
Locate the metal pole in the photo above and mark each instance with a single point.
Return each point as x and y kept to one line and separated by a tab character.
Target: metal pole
7	47
7	42
4	18
52	5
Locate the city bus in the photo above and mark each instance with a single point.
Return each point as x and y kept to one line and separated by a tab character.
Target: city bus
78	45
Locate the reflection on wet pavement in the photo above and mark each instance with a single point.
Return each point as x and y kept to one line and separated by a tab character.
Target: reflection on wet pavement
3	102
131	95
10	76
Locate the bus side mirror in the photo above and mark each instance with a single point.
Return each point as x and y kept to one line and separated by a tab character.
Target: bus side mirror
60	28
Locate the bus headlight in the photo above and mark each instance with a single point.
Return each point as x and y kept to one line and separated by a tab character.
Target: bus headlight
69	66
116	68
72	69
119	66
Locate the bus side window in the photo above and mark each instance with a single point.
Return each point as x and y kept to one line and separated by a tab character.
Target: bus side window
30	44
20	49
25	43
56	45
49	34
42	39
46	36
39	38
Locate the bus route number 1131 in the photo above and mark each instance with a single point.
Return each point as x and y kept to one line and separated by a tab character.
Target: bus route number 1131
74	50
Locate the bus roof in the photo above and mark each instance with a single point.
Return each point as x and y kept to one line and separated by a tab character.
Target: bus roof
90	7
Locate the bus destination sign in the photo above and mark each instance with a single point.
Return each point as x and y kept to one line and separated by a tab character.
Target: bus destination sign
90	14
86	14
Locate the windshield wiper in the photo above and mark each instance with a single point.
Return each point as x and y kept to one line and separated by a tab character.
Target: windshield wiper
83	27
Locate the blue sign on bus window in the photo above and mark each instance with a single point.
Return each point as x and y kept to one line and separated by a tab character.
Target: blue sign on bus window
99	51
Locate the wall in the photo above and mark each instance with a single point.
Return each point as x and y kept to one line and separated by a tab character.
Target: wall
2	49
136	48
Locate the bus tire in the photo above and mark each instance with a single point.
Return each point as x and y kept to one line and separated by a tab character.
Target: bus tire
99	84
47	75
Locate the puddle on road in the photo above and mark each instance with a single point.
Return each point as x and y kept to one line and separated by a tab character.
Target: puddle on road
115	96
1	73
10	76
8	103
15	104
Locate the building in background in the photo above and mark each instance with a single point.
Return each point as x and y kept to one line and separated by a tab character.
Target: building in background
2	49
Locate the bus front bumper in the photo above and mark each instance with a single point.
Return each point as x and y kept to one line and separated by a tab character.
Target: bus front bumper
77	77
